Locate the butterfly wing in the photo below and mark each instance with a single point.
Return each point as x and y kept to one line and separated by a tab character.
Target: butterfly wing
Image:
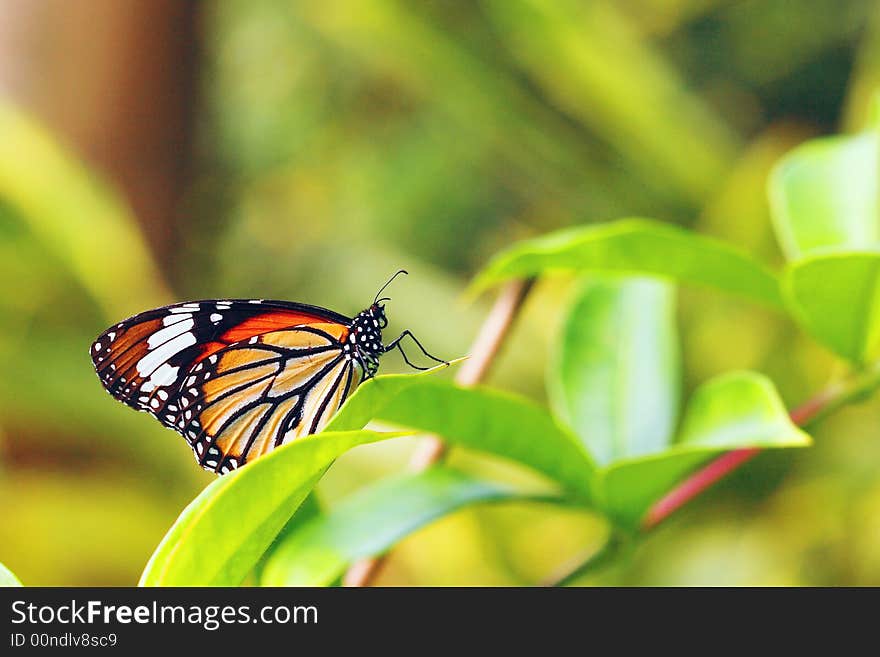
253	396
162	361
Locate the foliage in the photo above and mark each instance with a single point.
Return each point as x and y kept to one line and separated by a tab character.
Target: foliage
373	520
221	534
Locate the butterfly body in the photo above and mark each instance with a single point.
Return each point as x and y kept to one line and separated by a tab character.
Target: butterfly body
363	344
237	378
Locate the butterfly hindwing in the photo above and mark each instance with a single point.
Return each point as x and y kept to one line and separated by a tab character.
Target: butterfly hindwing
248	398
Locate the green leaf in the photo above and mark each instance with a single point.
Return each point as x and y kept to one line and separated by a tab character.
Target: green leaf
825	193
309	509
835	298
479	418
220	535
738	409
371	521
638	246
615	378
7	578
733	411
79	218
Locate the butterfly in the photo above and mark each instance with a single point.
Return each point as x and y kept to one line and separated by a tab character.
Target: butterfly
237	378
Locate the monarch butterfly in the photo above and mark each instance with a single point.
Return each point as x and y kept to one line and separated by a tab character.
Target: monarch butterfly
237	378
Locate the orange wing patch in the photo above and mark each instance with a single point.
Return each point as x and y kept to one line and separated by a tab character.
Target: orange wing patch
234	439
244	357
276	321
267	439
298	339
291	378
121	354
239	378
270	322
322	401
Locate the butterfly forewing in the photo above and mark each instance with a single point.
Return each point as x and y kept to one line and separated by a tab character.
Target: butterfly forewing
236	378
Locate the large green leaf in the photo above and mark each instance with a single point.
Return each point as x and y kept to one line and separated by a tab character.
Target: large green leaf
309	509
76	216
479	418
638	246
220	535
7	578
835	298
615	378
826	193
736	410
371	521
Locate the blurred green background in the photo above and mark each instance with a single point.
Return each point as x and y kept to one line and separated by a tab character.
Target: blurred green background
160	151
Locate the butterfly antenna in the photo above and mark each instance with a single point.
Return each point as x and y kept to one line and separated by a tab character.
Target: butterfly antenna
387	283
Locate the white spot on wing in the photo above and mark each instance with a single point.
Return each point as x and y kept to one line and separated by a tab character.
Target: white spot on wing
152	360
216	317
165	334
168	320
163	376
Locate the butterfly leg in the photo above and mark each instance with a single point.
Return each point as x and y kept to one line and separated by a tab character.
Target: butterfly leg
396	344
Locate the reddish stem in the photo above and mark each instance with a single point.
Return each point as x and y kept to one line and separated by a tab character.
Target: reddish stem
696	484
727	463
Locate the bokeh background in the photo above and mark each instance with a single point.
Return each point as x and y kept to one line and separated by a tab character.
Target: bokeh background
162	150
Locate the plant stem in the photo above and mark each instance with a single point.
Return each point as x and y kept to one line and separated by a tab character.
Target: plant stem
832	398
699	481
820	405
483	352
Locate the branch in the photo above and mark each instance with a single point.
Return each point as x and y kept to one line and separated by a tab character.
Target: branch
696	484
817	407
820	405
483	351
